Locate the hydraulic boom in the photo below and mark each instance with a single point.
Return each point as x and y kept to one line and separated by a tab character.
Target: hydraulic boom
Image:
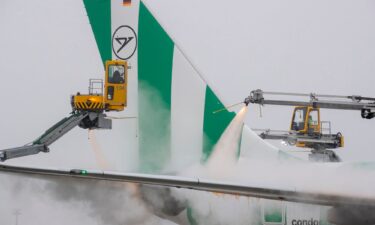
306	128
352	102
87	110
84	120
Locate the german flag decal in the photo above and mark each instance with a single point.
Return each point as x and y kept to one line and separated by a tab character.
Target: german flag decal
126	2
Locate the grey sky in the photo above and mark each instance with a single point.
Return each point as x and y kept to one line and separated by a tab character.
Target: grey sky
48	52
294	46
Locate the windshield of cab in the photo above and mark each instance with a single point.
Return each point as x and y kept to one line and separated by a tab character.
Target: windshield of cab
116	74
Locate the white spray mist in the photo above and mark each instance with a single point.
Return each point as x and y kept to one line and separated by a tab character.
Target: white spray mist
225	152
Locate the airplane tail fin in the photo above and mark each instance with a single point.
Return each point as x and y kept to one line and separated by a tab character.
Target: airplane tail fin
173	104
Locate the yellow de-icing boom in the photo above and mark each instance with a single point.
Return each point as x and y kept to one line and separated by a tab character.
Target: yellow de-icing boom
114	96
306	124
305	120
88	110
306	128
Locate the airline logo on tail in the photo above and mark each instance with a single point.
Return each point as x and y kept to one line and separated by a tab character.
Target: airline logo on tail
124	42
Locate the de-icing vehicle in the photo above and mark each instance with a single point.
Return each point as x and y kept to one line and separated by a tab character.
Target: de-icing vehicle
87	110
306	128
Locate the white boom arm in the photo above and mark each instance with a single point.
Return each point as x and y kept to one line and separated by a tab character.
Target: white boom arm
351	102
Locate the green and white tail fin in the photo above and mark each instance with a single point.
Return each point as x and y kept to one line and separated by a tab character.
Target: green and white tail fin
172	103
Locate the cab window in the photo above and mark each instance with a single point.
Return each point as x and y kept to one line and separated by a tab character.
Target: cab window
110	92
116	74
299	119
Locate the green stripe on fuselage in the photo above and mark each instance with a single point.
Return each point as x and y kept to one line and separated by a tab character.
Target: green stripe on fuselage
99	13
155	59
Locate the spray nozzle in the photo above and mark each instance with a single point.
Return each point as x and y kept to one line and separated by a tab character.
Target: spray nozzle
247	101
255	97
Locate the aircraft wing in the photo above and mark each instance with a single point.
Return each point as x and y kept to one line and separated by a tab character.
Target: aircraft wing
198	184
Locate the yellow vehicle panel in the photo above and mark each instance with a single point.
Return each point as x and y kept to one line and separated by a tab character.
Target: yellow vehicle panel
88	102
304	120
115	88
114	97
